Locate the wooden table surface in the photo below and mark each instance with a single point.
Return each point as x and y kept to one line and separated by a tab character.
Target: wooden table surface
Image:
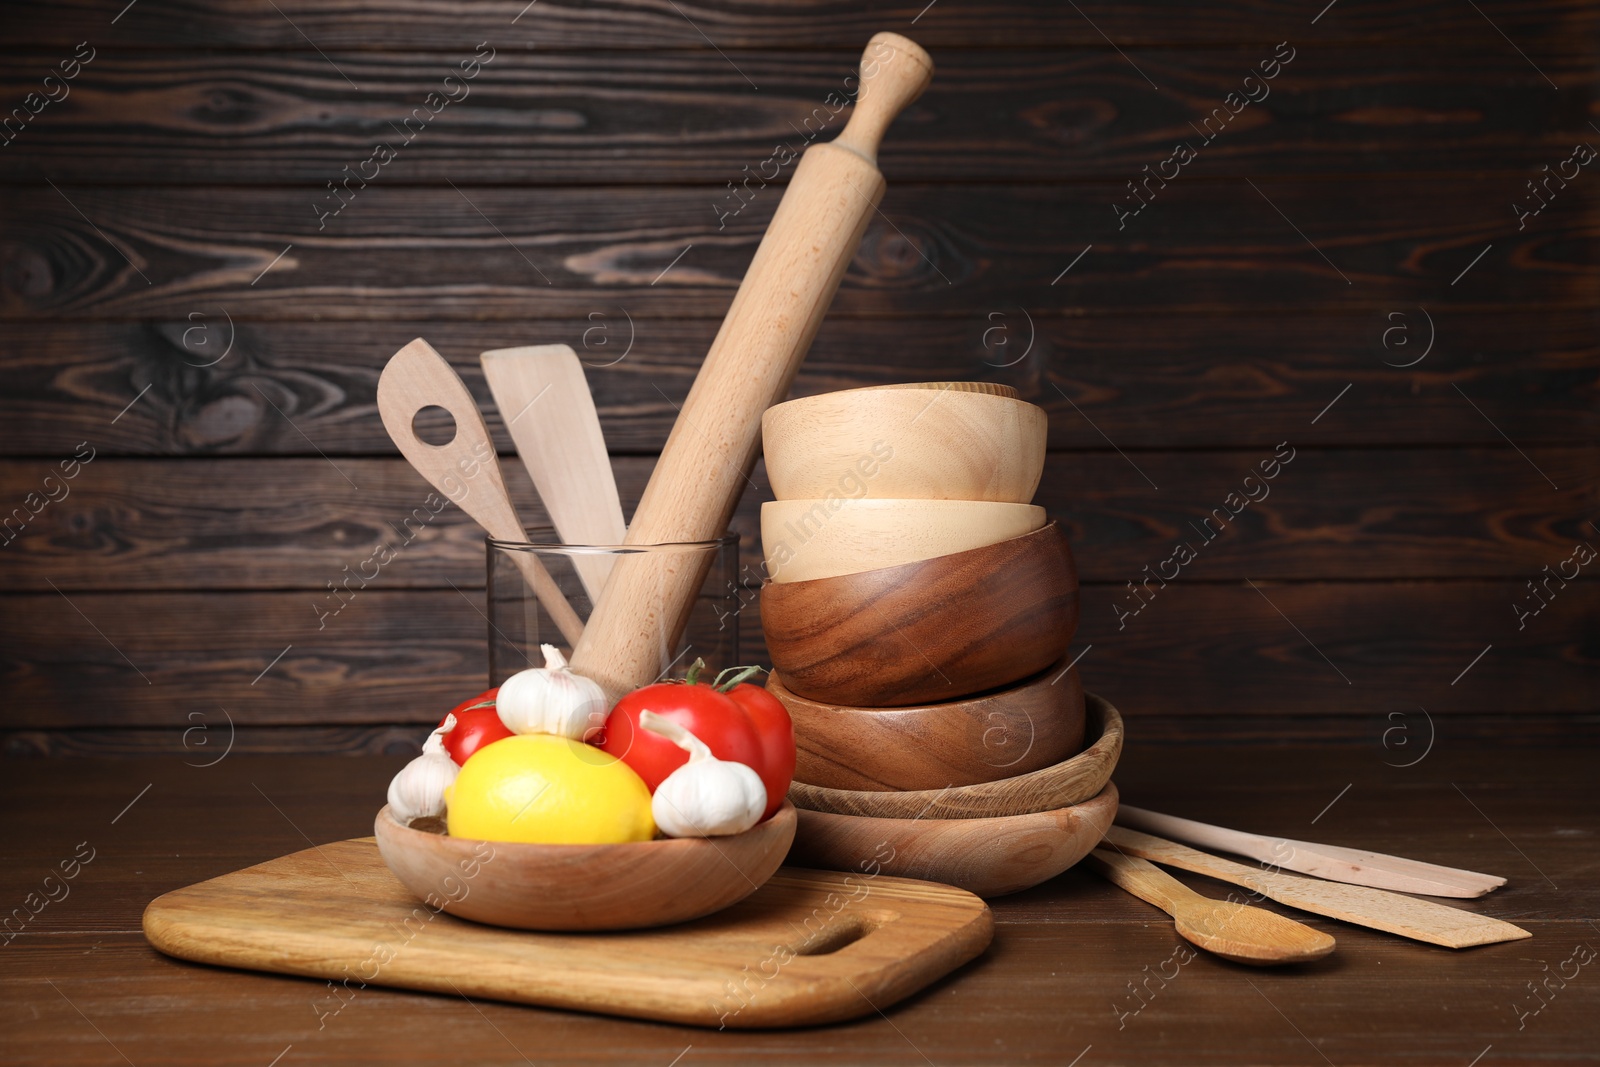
82	987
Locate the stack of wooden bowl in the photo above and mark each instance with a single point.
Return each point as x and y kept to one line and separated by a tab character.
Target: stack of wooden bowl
919	611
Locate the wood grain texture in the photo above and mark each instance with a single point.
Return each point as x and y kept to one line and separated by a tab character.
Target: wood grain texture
1159	381
1233	931
987	856
933	630
1034	724
1420	920
297	524
1072	781
634	885
1207	658
201	118
295	915
161	252
1548	25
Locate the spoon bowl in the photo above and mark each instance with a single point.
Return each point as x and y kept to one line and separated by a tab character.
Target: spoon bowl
1237	932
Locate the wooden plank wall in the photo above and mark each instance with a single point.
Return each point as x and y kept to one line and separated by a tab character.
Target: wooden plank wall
1341	271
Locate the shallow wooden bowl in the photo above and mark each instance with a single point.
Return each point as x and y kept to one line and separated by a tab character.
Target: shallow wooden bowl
804	540
989	857
1035	723
931	631
934	441
584	887
1072	781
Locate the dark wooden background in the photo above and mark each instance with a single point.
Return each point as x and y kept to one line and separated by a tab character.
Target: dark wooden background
1359	216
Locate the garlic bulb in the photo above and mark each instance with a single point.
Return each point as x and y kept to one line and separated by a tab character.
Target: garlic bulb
706	797
418	791
552	700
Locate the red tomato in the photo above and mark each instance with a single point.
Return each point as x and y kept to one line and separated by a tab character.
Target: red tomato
747	725
475	726
772	723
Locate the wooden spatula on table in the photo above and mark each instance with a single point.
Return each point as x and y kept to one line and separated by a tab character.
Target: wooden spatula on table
545	400
1333	862
1236	932
1420	920
465	469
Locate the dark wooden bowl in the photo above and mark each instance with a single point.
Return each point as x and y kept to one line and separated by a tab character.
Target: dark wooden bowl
1033	724
989	857
930	631
1061	785
584	887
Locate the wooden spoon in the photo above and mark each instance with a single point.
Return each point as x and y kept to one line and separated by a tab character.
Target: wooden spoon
1236	932
561	445
465	469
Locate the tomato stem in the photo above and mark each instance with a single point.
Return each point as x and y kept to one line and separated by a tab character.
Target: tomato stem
692	676
740	676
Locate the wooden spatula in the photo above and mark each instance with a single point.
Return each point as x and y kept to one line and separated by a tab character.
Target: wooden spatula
545	400
465	469
1421	920
1235	932
1338	864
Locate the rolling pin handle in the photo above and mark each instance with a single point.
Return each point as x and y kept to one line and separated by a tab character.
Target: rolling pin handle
894	71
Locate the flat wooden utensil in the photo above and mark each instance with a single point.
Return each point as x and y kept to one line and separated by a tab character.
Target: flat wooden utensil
807	947
465	469
1236	932
1353	865
1420	920
544	397
774	316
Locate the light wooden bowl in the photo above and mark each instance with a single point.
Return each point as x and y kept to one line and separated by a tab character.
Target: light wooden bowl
989	857
935	630
1069	782
933	442
991	388
1034	724
584	887
804	540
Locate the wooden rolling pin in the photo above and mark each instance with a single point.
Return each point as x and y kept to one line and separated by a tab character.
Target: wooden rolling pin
752	362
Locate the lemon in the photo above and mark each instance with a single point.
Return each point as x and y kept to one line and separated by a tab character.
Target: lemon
540	789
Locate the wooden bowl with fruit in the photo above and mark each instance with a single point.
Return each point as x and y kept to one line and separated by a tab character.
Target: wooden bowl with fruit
532	807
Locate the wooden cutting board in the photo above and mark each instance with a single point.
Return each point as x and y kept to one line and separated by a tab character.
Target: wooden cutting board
807	947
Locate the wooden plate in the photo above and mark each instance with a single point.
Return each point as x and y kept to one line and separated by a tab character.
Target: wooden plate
1034	724
584	887
989	857
1072	781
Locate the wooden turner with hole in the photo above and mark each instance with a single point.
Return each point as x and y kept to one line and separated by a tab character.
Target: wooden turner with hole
1236	932
465	469
1420	920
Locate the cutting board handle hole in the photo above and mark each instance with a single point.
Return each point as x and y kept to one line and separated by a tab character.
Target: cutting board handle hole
845	930
434	426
